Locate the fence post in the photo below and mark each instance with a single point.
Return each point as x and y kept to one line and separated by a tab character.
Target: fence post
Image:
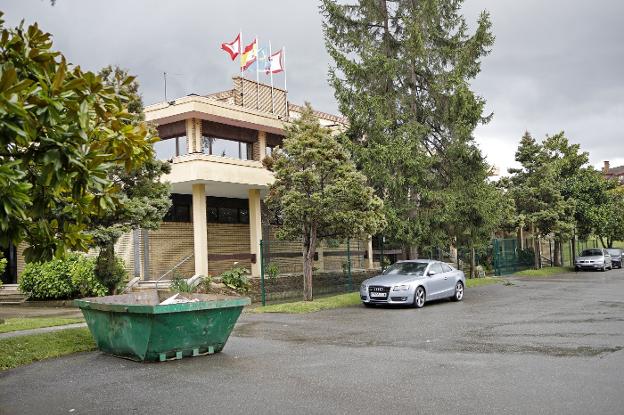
349	264
552	264
262	290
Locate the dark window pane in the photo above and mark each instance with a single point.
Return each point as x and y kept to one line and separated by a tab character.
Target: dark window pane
243	215
213	214
228	215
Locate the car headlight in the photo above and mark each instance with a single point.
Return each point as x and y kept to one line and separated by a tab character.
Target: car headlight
400	287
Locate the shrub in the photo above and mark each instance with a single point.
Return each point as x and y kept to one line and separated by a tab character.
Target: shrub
110	270
83	278
61	279
236	279
272	270
179	284
205	284
3	264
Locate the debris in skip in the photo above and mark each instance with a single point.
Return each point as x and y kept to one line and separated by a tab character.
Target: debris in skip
178	299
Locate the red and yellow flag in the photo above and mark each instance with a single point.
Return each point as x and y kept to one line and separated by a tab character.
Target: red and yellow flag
249	55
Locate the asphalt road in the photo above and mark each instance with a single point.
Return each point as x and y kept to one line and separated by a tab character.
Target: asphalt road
538	346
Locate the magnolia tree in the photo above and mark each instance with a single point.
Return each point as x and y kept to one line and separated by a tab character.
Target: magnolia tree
62	131
318	193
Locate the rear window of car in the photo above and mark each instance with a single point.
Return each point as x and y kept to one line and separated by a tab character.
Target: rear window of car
614	251
591	252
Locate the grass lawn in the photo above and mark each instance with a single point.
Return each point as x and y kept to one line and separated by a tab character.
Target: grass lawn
14	324
22	350
342	300
543	272
478	282
300	307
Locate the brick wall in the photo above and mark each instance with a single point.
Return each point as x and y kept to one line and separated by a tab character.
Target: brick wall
174	242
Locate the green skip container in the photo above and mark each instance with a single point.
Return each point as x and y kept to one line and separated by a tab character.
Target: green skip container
135	326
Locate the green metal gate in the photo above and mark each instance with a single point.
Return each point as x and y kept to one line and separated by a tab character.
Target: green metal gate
509	258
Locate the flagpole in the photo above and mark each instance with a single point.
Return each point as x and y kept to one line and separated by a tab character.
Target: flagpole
285	89
271	71
240	52
257	75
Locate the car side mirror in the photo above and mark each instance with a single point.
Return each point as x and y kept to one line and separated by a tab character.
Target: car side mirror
430	273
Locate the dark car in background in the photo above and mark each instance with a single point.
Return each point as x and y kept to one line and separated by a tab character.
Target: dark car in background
616	256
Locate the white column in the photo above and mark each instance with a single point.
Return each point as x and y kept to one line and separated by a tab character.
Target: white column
261	145
200	229
369	248
255	229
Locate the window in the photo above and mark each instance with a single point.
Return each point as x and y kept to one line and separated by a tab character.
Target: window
446	268
228	215
227	148
269	150
436	267
171	147
180	210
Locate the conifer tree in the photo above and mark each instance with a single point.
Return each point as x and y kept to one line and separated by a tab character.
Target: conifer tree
401	76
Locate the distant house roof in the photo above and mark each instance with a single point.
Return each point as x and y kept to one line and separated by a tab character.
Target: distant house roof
615	171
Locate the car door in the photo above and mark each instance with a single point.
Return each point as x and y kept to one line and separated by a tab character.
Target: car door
449	279
436	284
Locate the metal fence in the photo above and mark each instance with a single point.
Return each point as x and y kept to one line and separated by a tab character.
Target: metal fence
339	266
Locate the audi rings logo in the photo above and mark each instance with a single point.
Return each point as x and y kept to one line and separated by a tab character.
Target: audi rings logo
376	289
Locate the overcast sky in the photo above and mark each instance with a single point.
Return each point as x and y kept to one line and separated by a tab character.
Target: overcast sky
556	65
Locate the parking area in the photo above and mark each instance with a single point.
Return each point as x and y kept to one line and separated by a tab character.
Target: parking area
551	345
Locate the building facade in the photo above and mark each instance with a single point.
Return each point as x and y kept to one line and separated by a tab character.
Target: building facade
215	145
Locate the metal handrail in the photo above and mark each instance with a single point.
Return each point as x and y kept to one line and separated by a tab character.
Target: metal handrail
176	266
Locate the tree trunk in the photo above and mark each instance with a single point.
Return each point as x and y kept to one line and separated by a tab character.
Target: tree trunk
556	255
309	247
472	261
536	248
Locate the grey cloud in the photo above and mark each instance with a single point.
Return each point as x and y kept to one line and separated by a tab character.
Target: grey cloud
556	65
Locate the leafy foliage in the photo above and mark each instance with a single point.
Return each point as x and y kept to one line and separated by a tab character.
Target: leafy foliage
236	279
143	198
61	279
272	271
62	131
318	192
179	284
401	76
3	264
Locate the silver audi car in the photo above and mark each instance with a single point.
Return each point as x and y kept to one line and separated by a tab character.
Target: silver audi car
414	282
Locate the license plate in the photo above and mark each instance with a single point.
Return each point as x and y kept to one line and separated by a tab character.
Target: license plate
374	294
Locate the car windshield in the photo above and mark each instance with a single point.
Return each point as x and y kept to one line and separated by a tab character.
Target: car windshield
591	252
615	251
406	268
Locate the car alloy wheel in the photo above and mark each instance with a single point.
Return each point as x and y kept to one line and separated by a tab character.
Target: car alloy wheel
459	291
419	297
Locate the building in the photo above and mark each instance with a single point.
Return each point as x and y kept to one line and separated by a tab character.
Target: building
215	144
613	172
